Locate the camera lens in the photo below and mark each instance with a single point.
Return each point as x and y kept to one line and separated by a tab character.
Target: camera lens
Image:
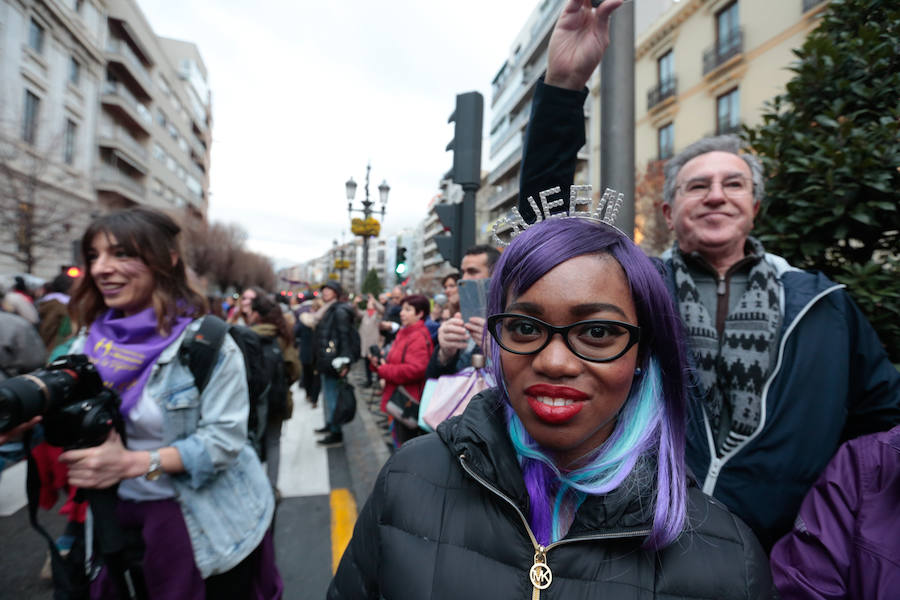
27	396
21	399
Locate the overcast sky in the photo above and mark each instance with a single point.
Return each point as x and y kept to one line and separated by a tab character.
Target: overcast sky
304	93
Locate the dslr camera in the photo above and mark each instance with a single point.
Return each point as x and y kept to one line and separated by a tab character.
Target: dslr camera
78	411
375	351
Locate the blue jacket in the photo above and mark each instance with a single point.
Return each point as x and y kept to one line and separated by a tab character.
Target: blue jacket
832	380
224	495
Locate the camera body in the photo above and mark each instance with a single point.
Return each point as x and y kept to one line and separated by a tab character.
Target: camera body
78	410
375	351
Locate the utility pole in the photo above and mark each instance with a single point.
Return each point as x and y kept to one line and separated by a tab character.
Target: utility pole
617	113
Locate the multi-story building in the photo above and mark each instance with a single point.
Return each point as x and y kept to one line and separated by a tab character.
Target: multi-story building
51	70
96	113
154	134
708	66
511	92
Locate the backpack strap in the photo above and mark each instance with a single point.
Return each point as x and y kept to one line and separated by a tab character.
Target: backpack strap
200	350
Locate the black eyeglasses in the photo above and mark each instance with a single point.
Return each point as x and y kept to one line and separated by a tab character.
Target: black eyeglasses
596	340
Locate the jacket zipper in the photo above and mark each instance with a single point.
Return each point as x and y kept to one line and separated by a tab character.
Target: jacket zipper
540	575
716	464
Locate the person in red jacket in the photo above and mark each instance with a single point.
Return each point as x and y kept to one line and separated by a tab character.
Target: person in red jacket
407	360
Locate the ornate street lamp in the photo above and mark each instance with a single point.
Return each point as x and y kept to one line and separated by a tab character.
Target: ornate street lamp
368	226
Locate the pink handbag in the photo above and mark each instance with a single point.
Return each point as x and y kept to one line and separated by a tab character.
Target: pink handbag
451	394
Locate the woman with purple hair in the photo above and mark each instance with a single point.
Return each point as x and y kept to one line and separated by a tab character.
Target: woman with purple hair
568	480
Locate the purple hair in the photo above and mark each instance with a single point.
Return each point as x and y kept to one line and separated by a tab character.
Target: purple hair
529	257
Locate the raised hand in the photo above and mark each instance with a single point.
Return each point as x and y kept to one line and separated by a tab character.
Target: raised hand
578	41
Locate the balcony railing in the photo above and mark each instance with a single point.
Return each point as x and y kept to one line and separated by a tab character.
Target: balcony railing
810	4
661	91
119	90
109	175
121	135
136	66
724	49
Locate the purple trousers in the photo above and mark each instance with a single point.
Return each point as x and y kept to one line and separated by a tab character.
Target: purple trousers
168	560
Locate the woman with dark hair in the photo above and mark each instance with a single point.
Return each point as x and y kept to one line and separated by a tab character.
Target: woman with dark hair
406	361
568	480
267	320
192	495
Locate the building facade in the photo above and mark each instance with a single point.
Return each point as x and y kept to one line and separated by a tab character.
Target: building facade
97	113
707	67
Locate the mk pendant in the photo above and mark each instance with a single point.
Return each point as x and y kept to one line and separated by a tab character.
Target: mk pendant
540	574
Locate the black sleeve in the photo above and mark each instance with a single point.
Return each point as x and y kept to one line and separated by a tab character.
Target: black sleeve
343	321
357	573
874	403
435	369
554	135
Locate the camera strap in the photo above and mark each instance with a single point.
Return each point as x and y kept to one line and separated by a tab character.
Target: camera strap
65	585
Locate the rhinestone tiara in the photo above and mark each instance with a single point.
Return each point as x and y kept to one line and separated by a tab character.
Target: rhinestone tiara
581	206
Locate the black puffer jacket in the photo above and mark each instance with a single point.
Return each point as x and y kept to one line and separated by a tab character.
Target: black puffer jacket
445	520
332	336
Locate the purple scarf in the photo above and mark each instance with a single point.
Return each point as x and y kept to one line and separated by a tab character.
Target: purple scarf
125	348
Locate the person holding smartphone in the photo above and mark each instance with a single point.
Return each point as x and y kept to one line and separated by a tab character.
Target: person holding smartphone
459	339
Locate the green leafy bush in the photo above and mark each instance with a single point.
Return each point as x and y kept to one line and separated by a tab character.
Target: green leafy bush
831	148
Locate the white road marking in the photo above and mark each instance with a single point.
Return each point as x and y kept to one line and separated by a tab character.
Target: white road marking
304	464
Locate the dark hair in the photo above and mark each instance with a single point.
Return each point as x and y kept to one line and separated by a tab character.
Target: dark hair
152	237
270	312
492	254
61	284
419	303
215	307
453	276
660	392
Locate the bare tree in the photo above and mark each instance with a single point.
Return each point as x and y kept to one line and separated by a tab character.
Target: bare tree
653	235
37	211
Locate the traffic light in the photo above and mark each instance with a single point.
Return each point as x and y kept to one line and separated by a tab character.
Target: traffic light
448	242
400	269
466	142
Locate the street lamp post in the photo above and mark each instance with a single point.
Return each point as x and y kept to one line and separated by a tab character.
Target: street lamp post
367	212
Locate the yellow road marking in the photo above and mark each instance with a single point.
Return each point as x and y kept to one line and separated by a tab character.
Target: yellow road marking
343	518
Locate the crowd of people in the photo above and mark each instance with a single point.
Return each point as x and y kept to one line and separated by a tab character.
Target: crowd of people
711	423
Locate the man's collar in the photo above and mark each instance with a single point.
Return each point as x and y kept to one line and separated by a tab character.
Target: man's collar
753	253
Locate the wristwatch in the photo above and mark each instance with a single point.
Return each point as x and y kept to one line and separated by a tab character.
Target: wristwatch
155	468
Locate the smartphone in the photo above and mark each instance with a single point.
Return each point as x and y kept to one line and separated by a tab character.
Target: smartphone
473	297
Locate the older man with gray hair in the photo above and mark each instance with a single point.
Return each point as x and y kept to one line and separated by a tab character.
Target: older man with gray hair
785	366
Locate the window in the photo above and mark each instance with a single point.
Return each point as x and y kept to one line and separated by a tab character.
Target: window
161	118
159	153
727	28
69	142
74	71
666	69
79	4
728	112
30	117
36	37
665	137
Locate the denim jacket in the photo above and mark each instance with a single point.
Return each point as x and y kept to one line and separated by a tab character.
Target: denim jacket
223	493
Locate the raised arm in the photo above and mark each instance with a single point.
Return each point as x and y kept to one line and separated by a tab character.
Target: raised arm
555	130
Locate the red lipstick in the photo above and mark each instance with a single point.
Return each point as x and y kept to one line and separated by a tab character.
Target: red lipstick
546	411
